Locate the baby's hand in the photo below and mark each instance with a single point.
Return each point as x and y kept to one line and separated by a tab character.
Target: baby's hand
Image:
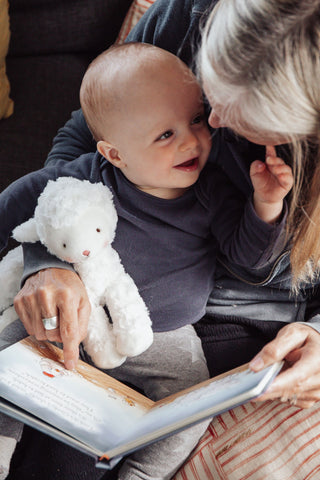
271	181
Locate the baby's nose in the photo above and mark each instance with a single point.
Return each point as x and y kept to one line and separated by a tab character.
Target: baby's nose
189	142
86	253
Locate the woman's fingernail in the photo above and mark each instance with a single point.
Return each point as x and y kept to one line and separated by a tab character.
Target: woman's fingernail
257	363
70	365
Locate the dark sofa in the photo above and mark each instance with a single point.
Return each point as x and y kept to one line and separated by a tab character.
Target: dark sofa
52	42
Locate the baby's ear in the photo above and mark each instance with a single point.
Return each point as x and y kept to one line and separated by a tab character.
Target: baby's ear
110	152
26	232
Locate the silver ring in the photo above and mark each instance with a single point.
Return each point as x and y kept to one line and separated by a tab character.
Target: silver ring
293	400
50	323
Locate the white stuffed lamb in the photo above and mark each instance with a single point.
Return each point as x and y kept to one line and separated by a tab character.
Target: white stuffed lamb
76	220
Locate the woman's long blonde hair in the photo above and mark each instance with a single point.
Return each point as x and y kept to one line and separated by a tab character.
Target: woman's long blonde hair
260	61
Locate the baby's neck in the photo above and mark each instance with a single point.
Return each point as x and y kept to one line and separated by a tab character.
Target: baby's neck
165	193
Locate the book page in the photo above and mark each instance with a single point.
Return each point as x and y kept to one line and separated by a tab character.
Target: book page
205	399
231	374
87	404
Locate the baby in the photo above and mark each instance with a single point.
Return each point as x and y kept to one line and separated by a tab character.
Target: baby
144	108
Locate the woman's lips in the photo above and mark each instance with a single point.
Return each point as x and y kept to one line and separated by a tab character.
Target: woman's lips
189	165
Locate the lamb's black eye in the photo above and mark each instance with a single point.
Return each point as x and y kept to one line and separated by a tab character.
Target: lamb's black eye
98	230
64	245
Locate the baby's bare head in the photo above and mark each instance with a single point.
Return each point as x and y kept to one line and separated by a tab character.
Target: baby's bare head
126	74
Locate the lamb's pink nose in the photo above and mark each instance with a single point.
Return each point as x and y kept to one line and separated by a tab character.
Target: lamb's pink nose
86	253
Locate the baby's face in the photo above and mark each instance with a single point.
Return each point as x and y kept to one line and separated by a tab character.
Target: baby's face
164	140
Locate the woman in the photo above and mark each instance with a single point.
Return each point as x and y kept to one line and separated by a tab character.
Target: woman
175	26
260	66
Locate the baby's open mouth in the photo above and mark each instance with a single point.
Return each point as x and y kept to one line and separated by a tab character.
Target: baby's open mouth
189	165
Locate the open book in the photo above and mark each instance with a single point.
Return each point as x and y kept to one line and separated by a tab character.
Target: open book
99	415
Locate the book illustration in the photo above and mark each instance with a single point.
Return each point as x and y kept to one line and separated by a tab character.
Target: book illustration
78	402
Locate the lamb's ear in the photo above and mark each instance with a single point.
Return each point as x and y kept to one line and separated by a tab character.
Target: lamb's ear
26	232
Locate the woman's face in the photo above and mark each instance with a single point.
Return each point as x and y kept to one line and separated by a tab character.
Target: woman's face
253	135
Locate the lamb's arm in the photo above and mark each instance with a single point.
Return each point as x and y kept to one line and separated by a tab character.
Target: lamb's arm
131	321
117	290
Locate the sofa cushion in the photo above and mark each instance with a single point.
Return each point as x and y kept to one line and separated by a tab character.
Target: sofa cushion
52	43
41	27
6	104
46	90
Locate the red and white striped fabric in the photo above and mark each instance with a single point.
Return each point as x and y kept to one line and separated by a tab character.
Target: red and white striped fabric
258	441
135	12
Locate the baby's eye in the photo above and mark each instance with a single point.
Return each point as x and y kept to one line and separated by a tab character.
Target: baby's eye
198	119
64	245
165	135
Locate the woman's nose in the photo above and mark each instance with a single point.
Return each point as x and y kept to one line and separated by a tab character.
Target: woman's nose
214	120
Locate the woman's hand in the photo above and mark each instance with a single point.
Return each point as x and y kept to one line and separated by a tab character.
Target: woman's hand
299	381
61	293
